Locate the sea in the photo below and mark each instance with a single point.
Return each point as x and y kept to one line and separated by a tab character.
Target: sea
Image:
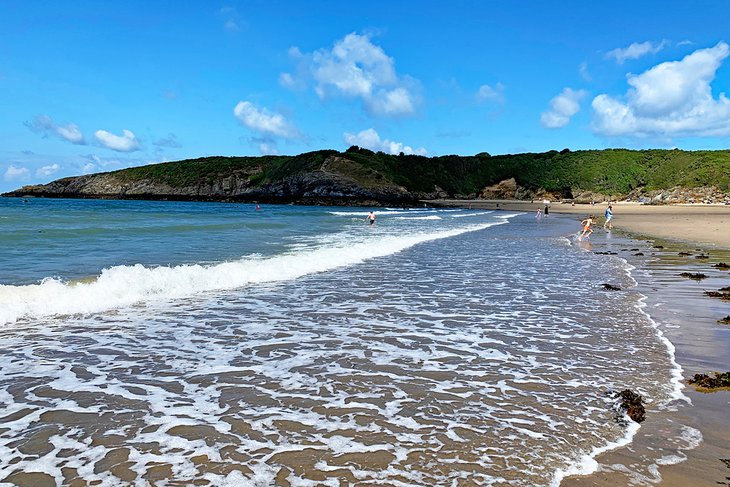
188	343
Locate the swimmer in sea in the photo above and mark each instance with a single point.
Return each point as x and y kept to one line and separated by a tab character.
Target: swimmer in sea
371	218
587	230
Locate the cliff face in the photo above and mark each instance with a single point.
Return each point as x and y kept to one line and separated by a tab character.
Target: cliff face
362	177
326	185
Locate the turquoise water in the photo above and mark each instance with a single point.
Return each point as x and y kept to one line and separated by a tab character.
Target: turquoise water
78	238
224	345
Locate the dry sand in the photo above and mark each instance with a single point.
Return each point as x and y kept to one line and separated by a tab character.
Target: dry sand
702	345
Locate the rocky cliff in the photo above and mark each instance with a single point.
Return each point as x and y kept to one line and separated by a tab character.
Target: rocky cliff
362	177
330	183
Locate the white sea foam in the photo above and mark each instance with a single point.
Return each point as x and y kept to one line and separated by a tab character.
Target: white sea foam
587	464
430	217
454	370
480	213
125	285
677	376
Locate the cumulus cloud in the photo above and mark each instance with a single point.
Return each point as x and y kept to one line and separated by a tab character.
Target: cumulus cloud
672	99
46	171
370	139
44	125
266	146
14	173
264	122
488	93
266	125
636	50
127	142
562	108
356	68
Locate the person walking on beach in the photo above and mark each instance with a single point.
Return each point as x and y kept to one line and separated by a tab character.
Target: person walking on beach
609	216
371	218
538	216
547	210
587	230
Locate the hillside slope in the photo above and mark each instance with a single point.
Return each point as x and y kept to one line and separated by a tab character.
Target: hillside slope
360	176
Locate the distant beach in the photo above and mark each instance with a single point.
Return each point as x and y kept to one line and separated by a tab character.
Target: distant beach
691	223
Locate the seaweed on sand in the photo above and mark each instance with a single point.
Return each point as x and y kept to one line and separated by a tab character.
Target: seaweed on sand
720	379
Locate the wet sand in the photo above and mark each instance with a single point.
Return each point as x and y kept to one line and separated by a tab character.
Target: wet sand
702	346
690	319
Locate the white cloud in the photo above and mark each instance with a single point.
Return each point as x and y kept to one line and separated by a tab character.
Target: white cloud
88	168
262	121
370	139
636	50
14	173
488	93
44	125
46	171
268	147
287	80
356	68
125	143
398	101
672	99
562	108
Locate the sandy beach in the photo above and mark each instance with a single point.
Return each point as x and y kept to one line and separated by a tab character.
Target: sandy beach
699	224
676	239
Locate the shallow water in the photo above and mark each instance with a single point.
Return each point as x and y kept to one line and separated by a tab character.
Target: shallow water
297	345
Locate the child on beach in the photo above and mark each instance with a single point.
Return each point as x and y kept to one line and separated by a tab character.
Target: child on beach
587	230
371	218
538	216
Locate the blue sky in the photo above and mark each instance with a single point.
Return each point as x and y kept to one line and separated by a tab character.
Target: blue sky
90	86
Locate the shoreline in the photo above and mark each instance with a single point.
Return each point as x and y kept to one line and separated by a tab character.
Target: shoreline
691	223
673	239
688	320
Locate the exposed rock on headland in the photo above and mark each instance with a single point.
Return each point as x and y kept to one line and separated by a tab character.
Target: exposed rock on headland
360	176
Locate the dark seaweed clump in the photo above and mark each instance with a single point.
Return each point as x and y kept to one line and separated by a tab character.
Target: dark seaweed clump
630	402
721	379
697	276
722	293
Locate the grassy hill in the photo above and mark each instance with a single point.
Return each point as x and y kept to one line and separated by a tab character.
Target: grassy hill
614	172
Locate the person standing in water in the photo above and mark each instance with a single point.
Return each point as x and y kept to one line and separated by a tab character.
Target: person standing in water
547	211
371	218
538	216
609	216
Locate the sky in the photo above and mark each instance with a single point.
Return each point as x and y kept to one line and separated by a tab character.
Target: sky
95	86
